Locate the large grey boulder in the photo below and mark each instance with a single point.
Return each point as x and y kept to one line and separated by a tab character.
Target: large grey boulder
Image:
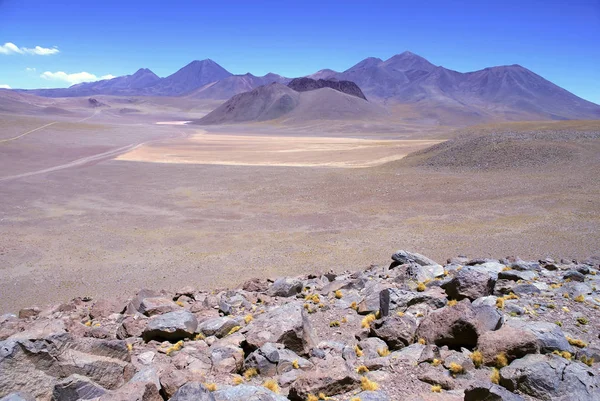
486	391
218	326
285	287
397	331
471	283
193	391
247	393
550	337
391	299
287	324
19	396
551	377
404	257
371	396
171	326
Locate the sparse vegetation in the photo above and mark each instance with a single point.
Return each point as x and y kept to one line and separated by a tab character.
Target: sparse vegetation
501	360
422	341
211	386
368	385
335	323
495	378
234	330
477	358
421	287
456	369
436	388
237	380
250	373
452	302
383	351
174	348
362	369
359	352
436	362
588	361
295	364
367	320
576	343
579	298
339	294
271	385
248	318
583	320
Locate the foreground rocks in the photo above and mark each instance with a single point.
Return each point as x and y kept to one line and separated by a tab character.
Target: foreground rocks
470	329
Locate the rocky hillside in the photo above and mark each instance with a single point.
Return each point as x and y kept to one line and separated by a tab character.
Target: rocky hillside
309	84
471	329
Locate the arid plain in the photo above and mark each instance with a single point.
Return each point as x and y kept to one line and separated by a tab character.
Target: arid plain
97	201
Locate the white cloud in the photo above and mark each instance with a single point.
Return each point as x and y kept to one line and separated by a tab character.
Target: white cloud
30	69
75	78
11	48
4	87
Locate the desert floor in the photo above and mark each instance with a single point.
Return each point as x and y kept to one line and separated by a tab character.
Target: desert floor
95	204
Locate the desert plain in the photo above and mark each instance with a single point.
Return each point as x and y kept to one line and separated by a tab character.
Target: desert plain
98	201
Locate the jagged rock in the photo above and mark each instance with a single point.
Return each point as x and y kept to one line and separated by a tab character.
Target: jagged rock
247	393
515	343
396	331
403	257
273	359
489	317
35	366
485	391
157	306
132	326
371	301
549	336
391	299
575	289
193	391
370	347
231	301
454	326
41	329
285	287
550	377
148	374
218	326
516	275
331	379
433	376
134	305
171	326
227	359
470	282
255	285
287	324
574	275
76	387
172	379
526	289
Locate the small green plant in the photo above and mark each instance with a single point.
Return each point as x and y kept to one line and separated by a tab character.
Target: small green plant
582	320
339	294
576	343
588	361
384	351
335	323
367	320
579	298
362	369
436	388
421	287
501	360
495	377
456	369
368	385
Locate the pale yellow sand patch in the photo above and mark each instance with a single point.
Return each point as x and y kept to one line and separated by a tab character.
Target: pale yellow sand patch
290	151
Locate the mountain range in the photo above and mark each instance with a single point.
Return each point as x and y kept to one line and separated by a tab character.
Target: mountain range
508	92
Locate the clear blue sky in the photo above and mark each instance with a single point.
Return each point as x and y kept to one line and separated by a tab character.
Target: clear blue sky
557	39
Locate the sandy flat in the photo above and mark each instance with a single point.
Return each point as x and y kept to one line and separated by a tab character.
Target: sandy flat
288	151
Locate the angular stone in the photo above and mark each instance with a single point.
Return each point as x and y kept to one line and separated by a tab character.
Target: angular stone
218	326
20	396
285	287
227	359
396	331
515	343
76	387
157	306
516	275
287	324
404	257
330	380
391	299
470	283
551	377
371	396
549	336
171	326
27	313
132	326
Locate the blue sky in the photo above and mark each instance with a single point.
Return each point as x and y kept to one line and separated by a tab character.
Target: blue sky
559	40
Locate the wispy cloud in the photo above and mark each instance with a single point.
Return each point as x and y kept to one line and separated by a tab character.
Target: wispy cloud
30	69
75	78
4	87
11	48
